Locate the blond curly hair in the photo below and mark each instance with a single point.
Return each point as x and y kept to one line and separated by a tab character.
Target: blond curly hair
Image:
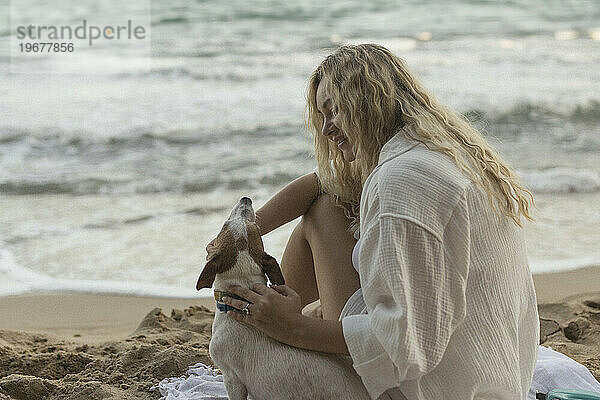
376	97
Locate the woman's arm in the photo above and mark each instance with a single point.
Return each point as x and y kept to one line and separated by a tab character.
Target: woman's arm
289	203
319	335
413	280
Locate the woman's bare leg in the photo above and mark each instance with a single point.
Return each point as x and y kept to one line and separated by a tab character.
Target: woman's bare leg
297	266
317	261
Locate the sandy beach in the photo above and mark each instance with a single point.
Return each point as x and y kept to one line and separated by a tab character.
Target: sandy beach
65	346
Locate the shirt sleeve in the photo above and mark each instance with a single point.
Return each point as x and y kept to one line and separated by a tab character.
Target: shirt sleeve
415	297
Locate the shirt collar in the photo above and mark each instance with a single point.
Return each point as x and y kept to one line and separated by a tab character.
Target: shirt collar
397	145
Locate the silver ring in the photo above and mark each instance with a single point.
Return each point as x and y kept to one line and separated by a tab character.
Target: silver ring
245	310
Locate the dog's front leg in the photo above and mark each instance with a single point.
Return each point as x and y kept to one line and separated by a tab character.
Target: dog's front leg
236	390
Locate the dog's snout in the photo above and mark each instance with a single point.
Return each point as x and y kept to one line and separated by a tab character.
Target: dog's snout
243	209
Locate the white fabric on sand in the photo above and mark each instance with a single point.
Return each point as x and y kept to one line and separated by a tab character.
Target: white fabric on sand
554	370
202	383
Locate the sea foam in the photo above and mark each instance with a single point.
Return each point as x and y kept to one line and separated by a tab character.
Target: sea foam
17	279
561	180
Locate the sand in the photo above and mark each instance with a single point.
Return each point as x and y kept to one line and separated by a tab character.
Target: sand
77	346
93	318
45	366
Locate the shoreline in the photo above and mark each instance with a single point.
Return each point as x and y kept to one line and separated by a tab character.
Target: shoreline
99	317
552	287
82	317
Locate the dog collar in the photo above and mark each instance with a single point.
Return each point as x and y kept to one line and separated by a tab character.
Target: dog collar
219	294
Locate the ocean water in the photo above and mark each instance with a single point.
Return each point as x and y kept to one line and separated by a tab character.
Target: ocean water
115	182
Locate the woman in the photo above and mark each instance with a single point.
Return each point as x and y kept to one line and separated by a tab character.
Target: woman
446	307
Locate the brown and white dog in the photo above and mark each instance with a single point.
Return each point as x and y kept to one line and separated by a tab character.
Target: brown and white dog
252	363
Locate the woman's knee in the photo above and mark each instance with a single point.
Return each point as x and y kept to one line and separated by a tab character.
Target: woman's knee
324	214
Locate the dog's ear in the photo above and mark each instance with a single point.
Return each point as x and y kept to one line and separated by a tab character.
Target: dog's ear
220	260
271	268
207	277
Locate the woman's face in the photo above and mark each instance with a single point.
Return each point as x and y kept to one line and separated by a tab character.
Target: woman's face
331	126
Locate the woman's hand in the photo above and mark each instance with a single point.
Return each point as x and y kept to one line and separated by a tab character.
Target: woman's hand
275	310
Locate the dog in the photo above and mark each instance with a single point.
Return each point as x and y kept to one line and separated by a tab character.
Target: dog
253	363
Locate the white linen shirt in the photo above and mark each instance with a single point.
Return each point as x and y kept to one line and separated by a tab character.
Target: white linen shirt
451	308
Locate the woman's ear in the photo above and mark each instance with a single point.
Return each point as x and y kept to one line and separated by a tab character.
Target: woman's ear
270	267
